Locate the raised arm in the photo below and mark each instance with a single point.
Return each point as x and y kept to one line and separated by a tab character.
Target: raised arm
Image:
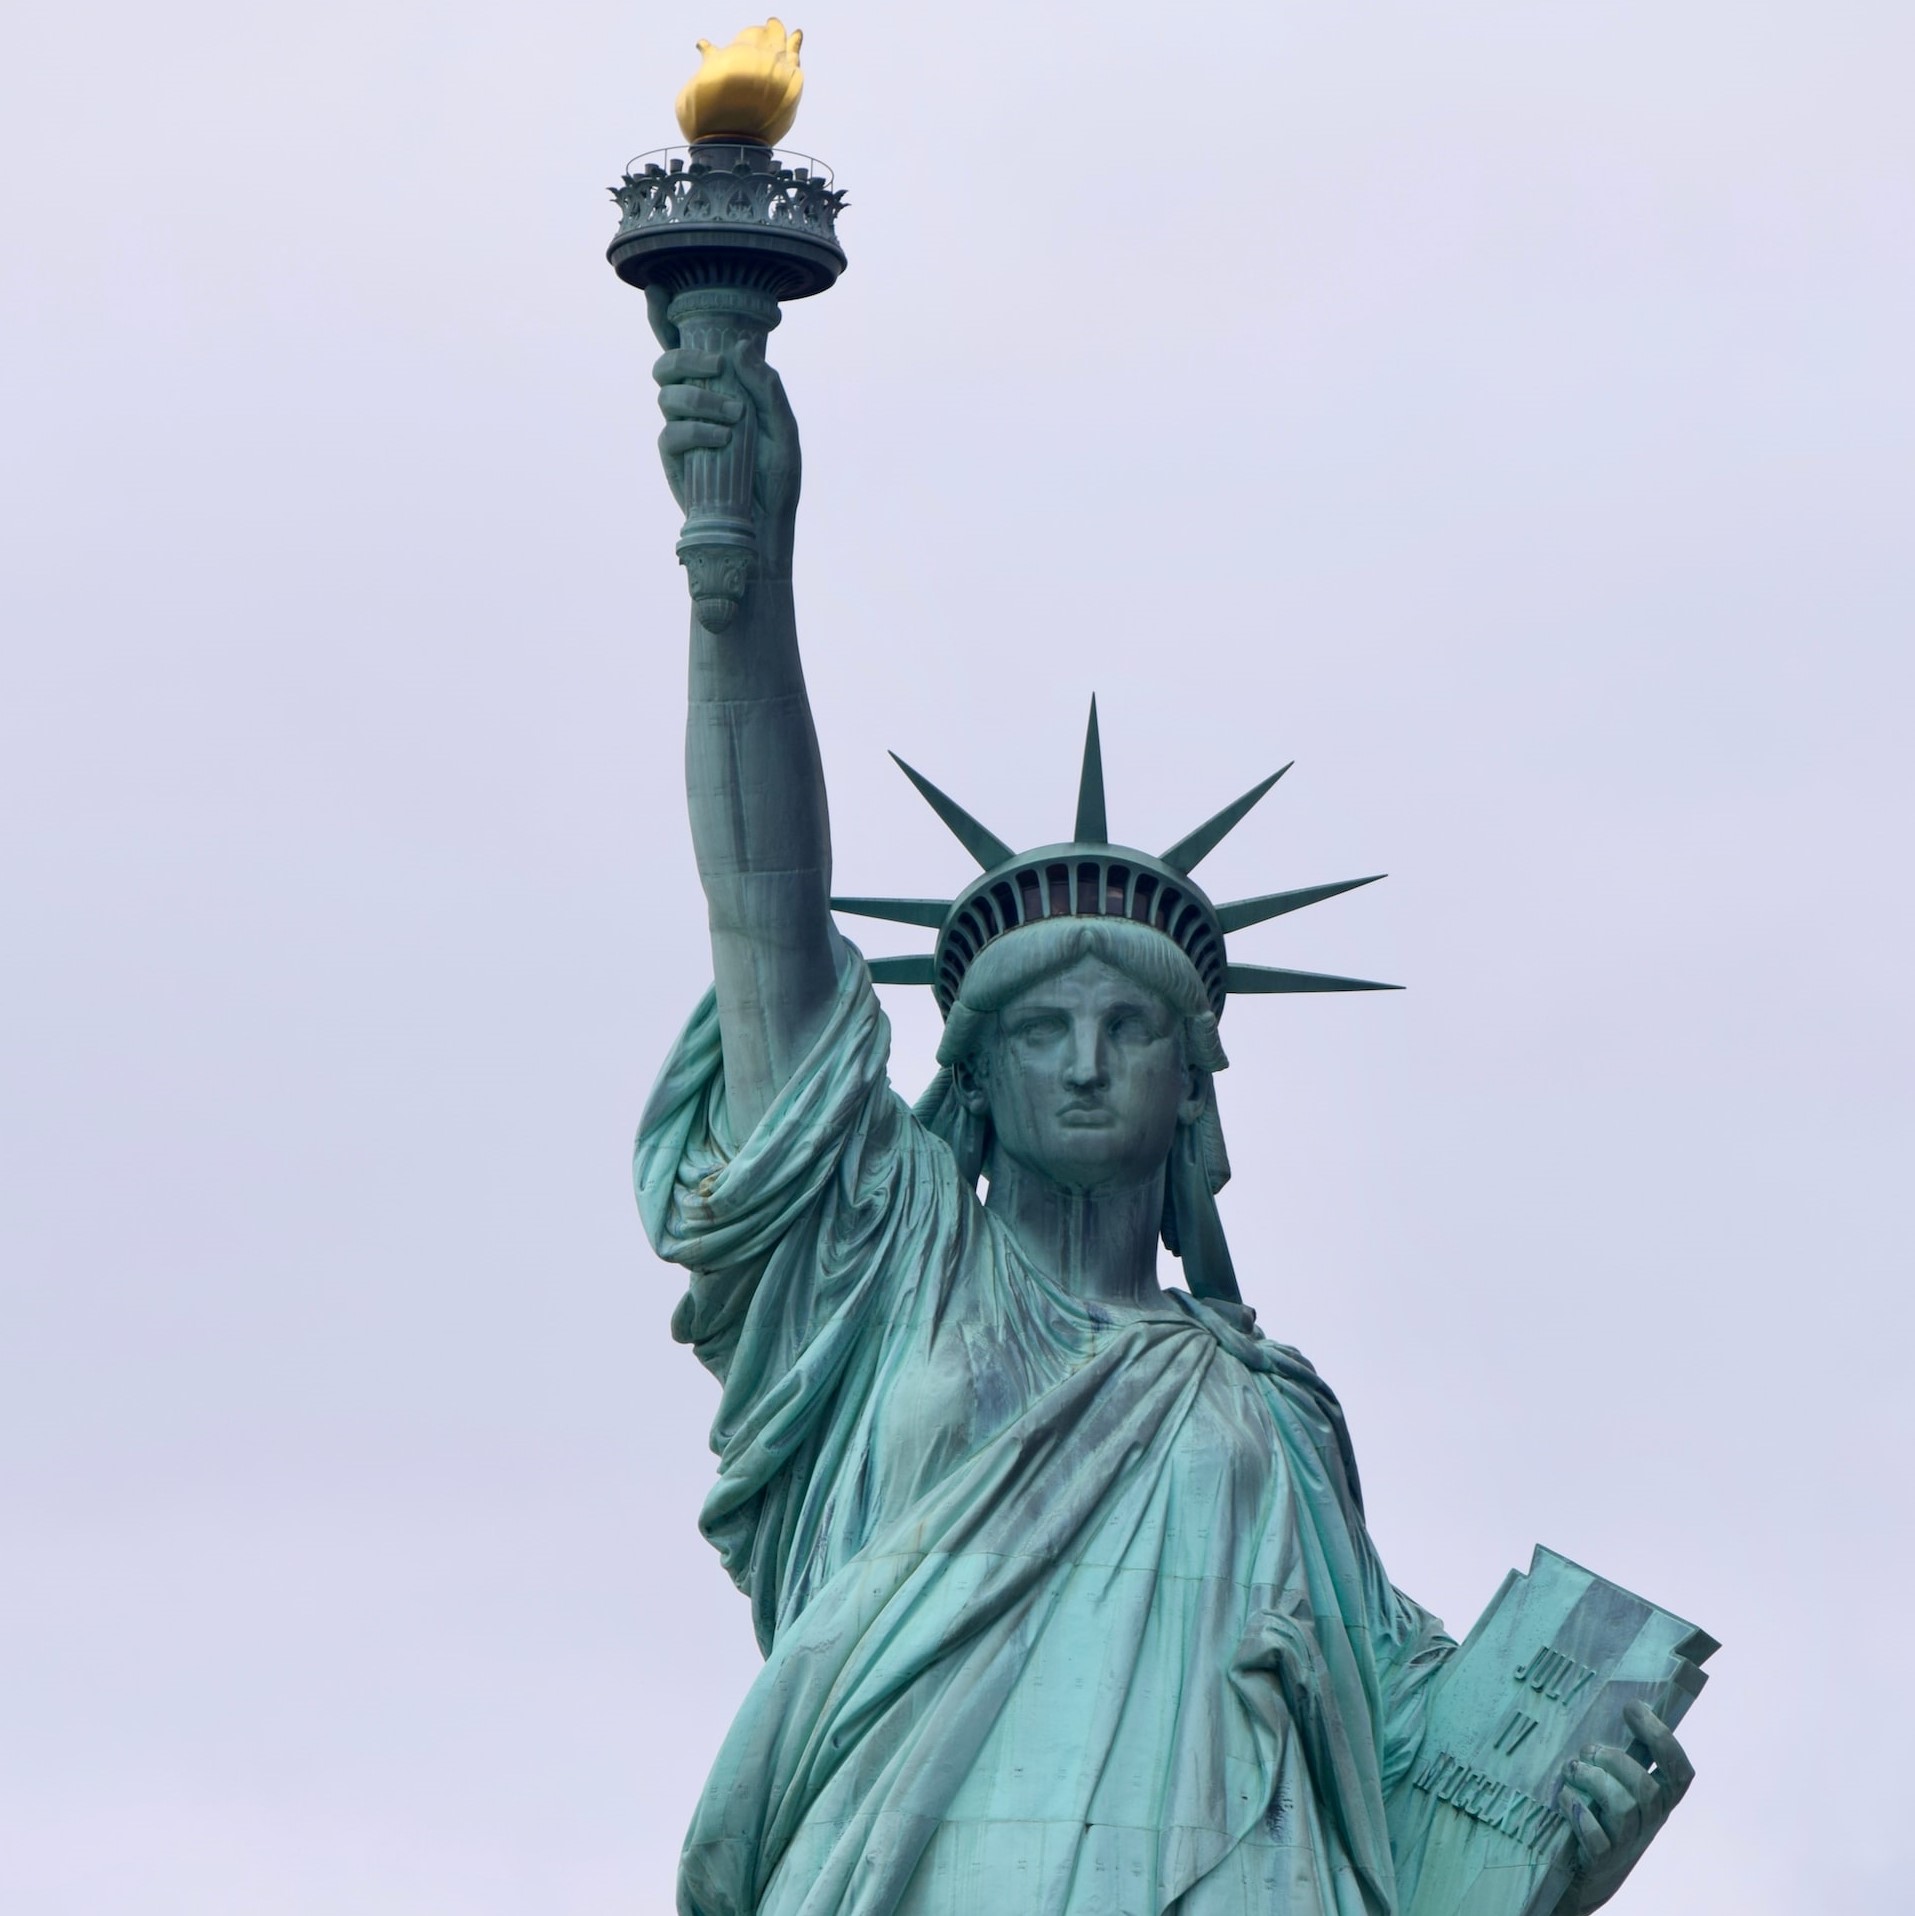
754	784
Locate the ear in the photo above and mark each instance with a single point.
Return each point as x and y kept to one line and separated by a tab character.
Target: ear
969	1086
1196	1095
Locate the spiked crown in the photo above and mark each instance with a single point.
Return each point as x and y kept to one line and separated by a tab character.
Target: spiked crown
1089	877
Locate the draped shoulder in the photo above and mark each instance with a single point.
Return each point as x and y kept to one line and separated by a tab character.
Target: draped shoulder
831	1230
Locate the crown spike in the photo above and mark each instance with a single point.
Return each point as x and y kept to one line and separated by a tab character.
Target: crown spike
1092	828
1261	980
901	971
1189	852
900	911
1253	911
985	846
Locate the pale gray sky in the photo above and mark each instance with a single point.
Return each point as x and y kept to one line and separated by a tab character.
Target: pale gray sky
1505	410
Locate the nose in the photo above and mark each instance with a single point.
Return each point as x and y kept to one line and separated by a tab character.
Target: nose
1086	1068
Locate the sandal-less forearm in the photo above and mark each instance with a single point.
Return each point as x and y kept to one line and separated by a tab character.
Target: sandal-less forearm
761	831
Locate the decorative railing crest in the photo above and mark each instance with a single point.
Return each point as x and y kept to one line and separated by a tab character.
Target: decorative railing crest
686	189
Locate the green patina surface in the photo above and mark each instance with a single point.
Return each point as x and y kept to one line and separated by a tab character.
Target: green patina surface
1062	1578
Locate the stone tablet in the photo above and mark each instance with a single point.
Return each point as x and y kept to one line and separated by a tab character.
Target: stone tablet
1545	1673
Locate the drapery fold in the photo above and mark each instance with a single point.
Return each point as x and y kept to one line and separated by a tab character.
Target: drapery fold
1067	1610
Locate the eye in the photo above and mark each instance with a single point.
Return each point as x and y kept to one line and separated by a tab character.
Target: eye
1044	1029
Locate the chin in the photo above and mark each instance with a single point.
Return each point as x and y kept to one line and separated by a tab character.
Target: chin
1090	1163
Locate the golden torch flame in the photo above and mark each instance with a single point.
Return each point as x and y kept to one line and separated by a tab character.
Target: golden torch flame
748	90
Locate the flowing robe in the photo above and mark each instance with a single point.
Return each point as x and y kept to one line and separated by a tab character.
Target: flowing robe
1067	1609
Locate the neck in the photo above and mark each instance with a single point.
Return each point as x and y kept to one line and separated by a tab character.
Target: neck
1098	1245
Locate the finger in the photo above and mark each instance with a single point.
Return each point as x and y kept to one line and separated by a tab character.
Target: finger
700	402
1660	1741
1582	1819
682	363
692	435
1620	1812
1646	1789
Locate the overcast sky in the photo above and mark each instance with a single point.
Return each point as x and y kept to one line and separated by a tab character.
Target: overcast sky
1504	410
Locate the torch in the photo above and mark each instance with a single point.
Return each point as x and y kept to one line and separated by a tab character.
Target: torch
726	228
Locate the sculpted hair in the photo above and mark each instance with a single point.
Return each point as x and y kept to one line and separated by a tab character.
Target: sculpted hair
1011	965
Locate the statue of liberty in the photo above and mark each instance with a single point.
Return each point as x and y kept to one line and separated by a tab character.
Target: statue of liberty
1061	1574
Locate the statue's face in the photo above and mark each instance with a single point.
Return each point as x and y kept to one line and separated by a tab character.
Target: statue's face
1085	1079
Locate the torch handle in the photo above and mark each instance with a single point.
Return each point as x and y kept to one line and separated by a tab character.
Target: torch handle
718	546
